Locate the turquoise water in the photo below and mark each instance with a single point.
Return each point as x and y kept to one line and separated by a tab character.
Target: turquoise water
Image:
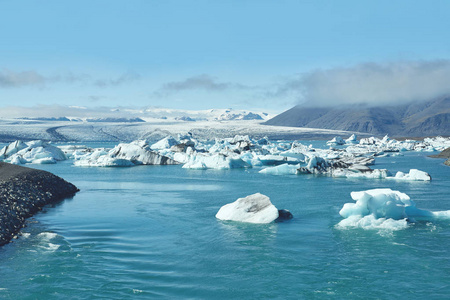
150	232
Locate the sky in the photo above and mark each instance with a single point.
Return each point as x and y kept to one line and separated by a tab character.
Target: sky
253	55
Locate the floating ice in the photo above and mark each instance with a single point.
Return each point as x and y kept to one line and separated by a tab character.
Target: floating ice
413	175
12	148
165	143
353	173
36	152
352	140
124	155
284	169
215	161
383	209
255	208
337	140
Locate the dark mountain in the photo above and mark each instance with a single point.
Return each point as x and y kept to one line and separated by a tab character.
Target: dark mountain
410	120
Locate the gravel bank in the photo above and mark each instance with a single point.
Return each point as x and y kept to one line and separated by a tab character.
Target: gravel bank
23	192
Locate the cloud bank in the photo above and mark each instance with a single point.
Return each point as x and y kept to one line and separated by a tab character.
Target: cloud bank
122	79
10	79
370	83
17	79
48	111
200	82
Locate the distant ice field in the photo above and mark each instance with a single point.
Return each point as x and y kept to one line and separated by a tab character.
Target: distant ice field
61	131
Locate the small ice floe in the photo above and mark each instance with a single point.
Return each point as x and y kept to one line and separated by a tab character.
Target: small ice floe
384	209
413	175
285	169
255	208
352	139
337	140
358	173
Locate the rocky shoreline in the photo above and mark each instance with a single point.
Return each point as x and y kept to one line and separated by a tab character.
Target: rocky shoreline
444	154
23	192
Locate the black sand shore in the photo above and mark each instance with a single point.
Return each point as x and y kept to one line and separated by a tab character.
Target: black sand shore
23	192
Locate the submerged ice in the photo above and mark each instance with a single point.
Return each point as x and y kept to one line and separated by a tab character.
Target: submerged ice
384	209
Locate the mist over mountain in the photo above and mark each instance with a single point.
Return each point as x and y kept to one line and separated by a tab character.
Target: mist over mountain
415	119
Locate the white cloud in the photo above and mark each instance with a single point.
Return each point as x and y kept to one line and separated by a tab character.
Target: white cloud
370	83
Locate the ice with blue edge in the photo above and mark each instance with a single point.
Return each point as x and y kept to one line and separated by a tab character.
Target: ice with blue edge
384	209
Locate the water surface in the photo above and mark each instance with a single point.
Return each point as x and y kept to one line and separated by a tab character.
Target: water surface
150	232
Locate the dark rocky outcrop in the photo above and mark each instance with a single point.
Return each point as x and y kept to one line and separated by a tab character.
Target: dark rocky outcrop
284	215
444	154
23	192
417	119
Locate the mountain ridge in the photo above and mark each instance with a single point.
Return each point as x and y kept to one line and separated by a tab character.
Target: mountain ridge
408	120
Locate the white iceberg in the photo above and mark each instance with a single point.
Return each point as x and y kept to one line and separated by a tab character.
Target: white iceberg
352	139
337	140
11	149
125	155
255	208
215	161
413	175
383	209
284	169
354	173
165	143
36	152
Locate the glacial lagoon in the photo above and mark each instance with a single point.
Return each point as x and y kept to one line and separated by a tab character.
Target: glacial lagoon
150	232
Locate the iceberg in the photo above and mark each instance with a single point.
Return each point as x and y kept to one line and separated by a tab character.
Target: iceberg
269	160
215	161
383	209
337	140
36	152
125	155
284	169
413	175
12	148
354	173
352	139
165	143
255	208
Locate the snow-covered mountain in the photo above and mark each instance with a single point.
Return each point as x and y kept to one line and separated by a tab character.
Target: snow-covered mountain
126	124
200	115
129	115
